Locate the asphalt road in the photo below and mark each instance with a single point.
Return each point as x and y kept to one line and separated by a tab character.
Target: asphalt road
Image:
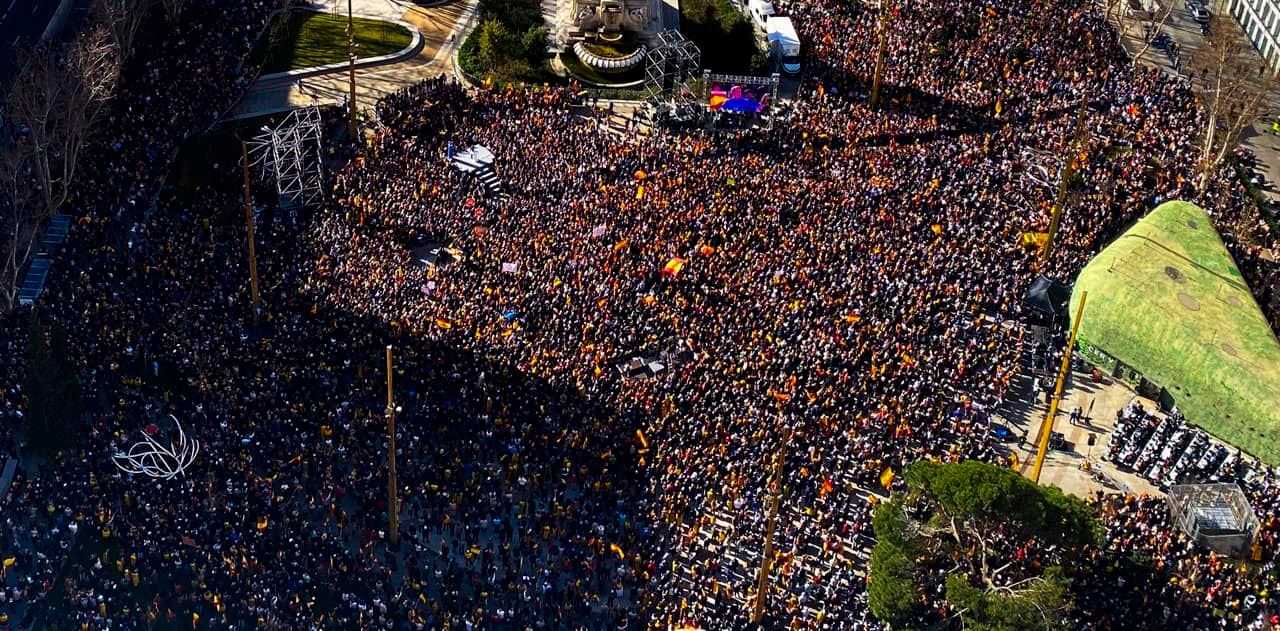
23	21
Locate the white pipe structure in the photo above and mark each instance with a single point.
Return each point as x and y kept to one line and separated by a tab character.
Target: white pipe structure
152	459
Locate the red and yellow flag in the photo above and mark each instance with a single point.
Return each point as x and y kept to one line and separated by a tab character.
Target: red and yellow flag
886	477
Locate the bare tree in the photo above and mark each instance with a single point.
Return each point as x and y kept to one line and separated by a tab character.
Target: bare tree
1160	18
57	99
173	8
122	19
1233	85
18	204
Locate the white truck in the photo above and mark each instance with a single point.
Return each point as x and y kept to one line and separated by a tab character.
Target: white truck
784	44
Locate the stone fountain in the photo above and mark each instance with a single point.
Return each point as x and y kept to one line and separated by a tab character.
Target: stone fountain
609	23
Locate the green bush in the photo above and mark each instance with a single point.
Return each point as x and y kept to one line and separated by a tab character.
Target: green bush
510	44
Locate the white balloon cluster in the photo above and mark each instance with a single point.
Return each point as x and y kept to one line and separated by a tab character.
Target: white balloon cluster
152	459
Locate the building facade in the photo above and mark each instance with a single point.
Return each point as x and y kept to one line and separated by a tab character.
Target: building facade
1260	19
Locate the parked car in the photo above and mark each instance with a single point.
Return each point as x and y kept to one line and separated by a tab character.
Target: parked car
1199	13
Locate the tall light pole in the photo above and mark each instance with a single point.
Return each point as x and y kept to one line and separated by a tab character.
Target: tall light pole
393	495
351	71
882	32
1069	166
771	523
1046	428
248	224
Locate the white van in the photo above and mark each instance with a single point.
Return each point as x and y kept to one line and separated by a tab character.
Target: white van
761	11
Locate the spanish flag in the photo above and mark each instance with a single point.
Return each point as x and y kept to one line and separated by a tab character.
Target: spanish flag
936	228
616	549
444	324
640	192
617	247
262	523
1034	239
886	477
673	267
643	441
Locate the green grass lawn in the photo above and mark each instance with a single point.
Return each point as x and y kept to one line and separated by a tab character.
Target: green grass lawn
309	38
1167	299
625	45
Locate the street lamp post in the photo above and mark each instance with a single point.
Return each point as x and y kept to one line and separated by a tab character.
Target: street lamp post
393	496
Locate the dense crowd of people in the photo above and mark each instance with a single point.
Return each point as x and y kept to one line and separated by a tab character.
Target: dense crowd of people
829	300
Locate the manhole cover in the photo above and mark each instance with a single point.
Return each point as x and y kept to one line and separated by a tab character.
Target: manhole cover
1173	273
1187	301
1230	350
1191	223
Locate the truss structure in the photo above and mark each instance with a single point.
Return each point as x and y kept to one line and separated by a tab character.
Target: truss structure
291	153
772	82
1217	516
671	62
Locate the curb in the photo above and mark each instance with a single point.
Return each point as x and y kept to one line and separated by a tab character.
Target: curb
415	46
469	19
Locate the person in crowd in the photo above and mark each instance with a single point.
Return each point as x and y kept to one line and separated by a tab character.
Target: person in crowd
816	305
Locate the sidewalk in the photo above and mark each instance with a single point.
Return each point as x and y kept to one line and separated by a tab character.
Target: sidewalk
440	27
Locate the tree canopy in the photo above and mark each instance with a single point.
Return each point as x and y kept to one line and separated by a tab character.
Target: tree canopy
988	540
509	45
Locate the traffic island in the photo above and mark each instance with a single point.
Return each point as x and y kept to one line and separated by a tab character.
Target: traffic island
303	41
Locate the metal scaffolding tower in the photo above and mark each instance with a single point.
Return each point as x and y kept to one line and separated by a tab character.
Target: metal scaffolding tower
672	61
291	153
